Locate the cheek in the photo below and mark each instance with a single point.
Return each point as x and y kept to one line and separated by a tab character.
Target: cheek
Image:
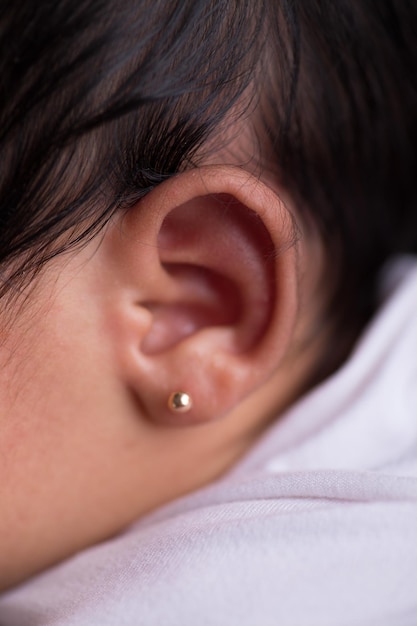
68	439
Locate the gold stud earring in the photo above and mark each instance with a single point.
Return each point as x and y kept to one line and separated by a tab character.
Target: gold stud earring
179	402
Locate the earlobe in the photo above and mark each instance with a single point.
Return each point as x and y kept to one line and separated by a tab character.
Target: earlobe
208	259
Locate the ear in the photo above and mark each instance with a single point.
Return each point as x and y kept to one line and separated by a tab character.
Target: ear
203	292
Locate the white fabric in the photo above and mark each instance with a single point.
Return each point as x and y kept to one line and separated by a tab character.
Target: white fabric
317	526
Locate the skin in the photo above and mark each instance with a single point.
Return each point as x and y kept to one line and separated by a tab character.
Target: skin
87	444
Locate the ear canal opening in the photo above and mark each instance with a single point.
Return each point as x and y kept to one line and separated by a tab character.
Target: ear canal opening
205	299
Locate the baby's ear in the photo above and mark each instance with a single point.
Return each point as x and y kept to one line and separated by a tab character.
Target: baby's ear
202	276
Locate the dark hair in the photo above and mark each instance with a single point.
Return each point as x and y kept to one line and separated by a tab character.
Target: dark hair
103	99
